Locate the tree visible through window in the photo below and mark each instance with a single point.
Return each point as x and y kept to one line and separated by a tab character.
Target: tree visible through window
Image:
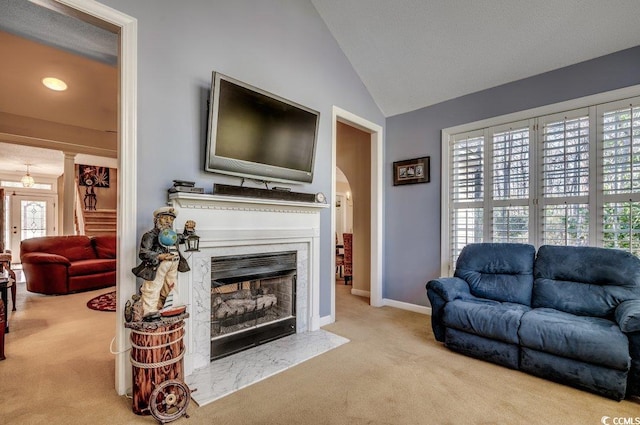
571	178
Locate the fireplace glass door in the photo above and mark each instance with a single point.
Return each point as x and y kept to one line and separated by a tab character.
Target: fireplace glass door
252	300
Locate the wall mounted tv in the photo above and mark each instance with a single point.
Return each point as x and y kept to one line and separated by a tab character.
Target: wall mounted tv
258	135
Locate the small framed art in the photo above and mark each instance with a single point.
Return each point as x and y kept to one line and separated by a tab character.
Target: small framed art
411	171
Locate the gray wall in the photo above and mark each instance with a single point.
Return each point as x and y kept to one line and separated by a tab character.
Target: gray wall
412	222
281	46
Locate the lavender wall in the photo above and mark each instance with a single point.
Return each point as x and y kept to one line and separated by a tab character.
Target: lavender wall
412	213
281	46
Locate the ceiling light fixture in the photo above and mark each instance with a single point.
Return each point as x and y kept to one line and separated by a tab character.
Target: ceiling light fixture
27	180
54	83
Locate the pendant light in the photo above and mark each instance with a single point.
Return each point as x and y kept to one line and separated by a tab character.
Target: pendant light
27	180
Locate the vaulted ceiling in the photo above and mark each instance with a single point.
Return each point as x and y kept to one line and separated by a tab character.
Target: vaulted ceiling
415	53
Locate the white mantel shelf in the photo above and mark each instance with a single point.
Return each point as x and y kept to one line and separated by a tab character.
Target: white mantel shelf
200	200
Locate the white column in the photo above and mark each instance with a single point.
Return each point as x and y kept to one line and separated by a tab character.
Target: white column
69	201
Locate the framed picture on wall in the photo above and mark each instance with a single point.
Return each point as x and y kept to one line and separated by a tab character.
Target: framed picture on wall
411	171
92	175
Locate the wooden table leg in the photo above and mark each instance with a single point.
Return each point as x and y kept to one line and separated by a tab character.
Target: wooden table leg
2	333
3	293
12	275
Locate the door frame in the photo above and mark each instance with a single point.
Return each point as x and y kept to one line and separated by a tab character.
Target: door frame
376	133
127	167
16	206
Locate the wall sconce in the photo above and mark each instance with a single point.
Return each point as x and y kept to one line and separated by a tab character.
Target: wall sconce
27	180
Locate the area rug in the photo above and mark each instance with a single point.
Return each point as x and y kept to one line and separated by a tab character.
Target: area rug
104	302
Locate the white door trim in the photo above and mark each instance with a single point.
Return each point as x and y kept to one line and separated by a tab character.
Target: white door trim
375	130
127	171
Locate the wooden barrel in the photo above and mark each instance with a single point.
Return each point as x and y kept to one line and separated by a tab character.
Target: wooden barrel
157	350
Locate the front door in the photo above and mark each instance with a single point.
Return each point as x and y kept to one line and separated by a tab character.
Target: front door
30	217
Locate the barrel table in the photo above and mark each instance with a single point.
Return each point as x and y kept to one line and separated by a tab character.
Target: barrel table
157	351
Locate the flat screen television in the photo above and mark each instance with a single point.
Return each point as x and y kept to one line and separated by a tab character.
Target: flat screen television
258	135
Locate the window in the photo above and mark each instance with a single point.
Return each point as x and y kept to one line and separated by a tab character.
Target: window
568	178
620	128
510	181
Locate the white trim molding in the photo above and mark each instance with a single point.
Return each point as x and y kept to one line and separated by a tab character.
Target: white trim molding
407	306
377	197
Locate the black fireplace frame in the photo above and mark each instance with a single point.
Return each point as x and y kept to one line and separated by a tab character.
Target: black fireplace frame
255	267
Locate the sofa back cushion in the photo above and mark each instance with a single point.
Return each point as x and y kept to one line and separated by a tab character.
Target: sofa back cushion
498	271
74	247
586	281
105	246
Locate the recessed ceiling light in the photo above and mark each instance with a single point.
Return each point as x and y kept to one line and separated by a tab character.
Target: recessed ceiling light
54	83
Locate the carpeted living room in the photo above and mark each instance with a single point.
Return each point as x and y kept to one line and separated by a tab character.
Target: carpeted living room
391	372
457	272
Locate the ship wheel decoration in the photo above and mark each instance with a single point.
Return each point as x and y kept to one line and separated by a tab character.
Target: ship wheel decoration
169	401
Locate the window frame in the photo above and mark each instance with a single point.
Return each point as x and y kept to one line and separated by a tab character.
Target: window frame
593	105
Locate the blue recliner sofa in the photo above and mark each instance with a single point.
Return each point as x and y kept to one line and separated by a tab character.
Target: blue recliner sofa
568	314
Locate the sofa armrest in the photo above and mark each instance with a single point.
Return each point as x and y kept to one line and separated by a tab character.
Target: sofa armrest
440	292
450	288
628	316
44	258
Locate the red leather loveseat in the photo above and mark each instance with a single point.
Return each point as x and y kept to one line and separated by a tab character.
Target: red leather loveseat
56	265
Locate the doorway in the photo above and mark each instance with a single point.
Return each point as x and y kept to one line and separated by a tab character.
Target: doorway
126	28
343	205
29	216
374	204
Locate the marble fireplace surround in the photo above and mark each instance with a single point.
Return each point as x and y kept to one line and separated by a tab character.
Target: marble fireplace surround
241	226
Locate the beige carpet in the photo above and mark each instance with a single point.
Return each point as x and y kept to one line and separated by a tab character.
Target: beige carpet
59	371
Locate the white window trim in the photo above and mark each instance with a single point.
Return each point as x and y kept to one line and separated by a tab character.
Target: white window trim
611	96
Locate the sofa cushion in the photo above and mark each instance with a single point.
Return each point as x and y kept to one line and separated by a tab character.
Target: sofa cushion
605	381
105	246
498	271
85	267
487	318
73	247
585	281
487	349
589	339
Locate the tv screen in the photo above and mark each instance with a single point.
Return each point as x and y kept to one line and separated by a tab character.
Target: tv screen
258	135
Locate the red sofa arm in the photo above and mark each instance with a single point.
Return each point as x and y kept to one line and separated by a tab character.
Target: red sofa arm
46	273
43	257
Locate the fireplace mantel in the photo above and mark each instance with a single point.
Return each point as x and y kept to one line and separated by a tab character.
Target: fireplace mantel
229	225
199	200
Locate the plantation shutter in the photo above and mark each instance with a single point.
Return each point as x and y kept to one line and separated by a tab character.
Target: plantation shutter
466	191
619	127
570	178
564	178
510	155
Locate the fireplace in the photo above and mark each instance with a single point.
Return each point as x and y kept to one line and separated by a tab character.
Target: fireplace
253	300
250	228
241	227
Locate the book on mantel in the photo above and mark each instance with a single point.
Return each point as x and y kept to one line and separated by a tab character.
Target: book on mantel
185	186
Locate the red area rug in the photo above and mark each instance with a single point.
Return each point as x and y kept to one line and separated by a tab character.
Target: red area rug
104	302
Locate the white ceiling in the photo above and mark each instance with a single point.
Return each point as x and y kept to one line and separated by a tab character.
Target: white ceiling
39	40
415	53
409	53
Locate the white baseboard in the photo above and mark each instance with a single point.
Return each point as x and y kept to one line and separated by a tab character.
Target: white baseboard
326	320
406	306
360	293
